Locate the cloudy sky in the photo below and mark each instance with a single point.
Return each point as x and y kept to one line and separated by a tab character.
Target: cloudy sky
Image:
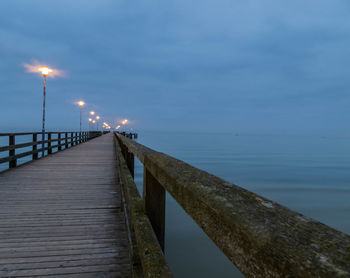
245	66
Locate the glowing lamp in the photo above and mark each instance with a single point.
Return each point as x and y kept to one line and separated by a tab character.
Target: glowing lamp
45	70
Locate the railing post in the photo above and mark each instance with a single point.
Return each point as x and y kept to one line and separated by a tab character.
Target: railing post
80	138
35	147
66	141
72	139
12	142
130	162
76	138
124	150
49	143
59	141
154	204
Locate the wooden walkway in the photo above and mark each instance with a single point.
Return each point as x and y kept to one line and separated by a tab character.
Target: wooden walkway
61	216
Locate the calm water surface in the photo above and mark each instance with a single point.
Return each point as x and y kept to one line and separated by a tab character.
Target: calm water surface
308	174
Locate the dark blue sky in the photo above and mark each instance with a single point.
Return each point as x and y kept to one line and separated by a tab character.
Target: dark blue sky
244	66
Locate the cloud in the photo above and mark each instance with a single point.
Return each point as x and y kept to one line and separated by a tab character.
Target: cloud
183	59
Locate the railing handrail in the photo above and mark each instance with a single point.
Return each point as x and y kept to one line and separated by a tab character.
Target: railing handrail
69	139
146	252
37	132
259	236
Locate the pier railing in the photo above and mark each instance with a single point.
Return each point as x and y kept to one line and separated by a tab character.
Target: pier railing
259	236
146	252
34	145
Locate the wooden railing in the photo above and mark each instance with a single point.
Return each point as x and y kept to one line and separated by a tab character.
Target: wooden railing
147	257
259	236
40	144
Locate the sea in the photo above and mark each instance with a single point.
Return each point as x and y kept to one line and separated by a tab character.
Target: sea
308	174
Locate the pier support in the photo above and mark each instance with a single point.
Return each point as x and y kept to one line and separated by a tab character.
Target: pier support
130	161
154	204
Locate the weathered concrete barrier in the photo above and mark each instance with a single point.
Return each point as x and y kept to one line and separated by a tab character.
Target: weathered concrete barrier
259	236
146	248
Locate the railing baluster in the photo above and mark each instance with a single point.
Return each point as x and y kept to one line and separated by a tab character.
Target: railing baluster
66	141
49	143
43	144
154	204
59	141
35	146
46	143
12	142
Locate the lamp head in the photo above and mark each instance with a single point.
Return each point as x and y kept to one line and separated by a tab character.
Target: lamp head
45	70
81	103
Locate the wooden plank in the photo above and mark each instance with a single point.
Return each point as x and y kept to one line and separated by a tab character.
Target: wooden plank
61	216
61	270
58	264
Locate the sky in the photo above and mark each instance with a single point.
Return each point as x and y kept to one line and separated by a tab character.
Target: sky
242	66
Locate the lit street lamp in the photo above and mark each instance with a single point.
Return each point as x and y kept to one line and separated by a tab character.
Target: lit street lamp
97	118
44	71
124	122
36	67
90	120
81	104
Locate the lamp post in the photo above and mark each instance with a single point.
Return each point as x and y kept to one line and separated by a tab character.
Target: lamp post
44	71
92	113
81	104
124	122
90	120
97	119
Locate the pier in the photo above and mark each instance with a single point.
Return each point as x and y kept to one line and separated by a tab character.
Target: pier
76	212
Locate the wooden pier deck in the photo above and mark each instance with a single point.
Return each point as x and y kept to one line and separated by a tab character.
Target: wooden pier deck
62	216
